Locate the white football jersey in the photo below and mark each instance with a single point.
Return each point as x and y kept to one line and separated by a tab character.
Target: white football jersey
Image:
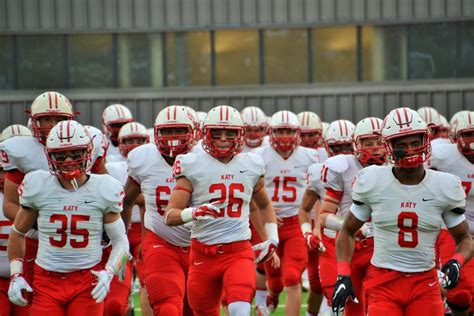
447	158
155	176
116	158
5	227
70	224
231	184
112	150
314	179
338	174
119	170
23	153
285	180
323	154
440	141
406	219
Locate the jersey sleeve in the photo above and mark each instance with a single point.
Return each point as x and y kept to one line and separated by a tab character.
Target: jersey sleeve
12	151
136	161
365	181
454	195
332	173
361	211
111	191
257	164
30	188
314	178
184	166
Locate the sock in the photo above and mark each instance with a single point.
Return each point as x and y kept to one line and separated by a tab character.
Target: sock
261	297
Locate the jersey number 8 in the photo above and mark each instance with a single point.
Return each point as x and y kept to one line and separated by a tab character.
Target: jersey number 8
408	229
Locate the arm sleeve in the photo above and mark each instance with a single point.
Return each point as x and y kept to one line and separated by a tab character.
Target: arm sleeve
118	237
452	219
361	211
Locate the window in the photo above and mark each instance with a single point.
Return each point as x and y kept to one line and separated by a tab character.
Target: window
188	58
140	61
286	56
237	60
384	53
6	63
466	42
432	51
91	61
41	62
334	54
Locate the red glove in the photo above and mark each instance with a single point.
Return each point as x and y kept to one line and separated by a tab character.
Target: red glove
312	242
205	212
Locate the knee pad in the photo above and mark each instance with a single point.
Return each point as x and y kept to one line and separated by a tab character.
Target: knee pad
114	307
460	302
167	309
239	308
160	289
292	275
239	293
275	285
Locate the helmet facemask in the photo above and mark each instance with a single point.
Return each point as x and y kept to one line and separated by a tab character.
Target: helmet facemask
113	129
408	158
311	138
70	169
128	143
41	132
254	135
370	153
223	148
284	138
173	140
465	143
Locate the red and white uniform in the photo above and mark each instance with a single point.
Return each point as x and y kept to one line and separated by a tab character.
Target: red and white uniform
165	249
314	179
338	177
70	225
406	222
447	158
285	181
221	255
113	150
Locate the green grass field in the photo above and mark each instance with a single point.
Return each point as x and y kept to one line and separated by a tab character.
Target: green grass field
279	312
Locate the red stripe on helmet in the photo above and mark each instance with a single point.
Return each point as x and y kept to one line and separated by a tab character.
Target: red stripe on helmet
340	127
220	113
372	122
469	118
56	100
68	130
49	99
175	113
399	117
406	117
346	128
227	113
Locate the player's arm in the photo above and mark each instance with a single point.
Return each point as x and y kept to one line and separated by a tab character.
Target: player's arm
256	219
115	229
462	237
99	166
346	238
11	203
179	199
329	206
304	212
132	191
24	221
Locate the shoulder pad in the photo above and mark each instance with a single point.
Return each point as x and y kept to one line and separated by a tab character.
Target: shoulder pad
118	170
443	151
110	189
450	185
366	180
338	163
315	168
312	154
255	162
185	162
142	155
33	183
258	151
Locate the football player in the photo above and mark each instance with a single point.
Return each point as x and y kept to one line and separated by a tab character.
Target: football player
255	122
311	131
407	205
165	249
213	191
458	159
72	209
113	118
286	164
435	124
338	175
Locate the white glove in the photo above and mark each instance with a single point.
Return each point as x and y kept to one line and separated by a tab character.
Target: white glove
201	213
104	277
266	248
18	284
366	230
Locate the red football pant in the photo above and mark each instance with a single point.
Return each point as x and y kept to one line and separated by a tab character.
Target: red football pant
313	272
211	272
135	240
403	294
293	255
462	296
165	269
31	248
328	267
116	302
61	294
7	308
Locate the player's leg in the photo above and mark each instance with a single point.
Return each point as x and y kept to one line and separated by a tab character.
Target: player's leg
51	294
239	281
315	295
274	281
164	275
204	285
425	295
328	267
261	292
295	257
360	262
4	302
82	302
116	302
387	296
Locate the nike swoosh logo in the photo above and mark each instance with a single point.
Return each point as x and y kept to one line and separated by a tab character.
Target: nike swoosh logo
198	263
426	200
87	202
94	283
30	260
340	288
431	284
157	246
299	167
242	171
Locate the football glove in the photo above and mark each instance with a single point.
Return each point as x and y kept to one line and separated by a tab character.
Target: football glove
342	291
452	272
18	286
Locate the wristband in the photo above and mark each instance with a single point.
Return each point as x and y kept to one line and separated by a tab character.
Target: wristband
334	222
306	228
16	266
459	257
187	214
344	268
272	231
